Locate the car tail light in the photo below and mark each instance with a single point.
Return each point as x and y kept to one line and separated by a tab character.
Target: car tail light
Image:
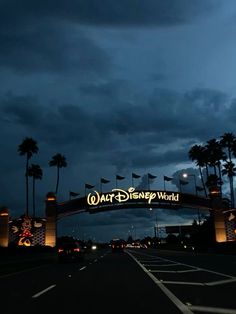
60	250
77	249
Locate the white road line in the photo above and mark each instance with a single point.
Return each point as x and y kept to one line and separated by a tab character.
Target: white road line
175	271
184	283
180	305
202	269
214	310
149	265
82	268
43	291
150	261
220	282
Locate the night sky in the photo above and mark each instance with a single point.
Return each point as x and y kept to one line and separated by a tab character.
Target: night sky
116	87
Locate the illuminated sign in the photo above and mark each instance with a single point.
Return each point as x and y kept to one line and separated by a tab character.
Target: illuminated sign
118	195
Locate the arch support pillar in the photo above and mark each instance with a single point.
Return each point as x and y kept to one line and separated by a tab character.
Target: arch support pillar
219	220
4	227
51	220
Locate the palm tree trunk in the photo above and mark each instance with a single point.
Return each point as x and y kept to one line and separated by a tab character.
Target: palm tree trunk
57	179
33	197
203	183
27	186
220	177
231	191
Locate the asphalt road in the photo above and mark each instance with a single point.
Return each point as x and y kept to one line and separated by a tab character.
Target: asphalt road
137	281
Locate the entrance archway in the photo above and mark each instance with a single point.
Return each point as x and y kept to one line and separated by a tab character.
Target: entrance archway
117	199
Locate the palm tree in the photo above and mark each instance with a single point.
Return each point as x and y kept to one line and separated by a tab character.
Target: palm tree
36	172
197	154
230	171
228	141
215	155
58	161
28	147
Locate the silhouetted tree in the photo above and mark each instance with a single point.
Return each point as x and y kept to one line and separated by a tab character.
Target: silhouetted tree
35	172
28	147
215	155
197	154
58	161
230	171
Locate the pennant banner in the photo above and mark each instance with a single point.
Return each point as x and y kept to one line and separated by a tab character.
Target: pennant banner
104	180
150	176
73	194
135	176
89	186
119	177
168	178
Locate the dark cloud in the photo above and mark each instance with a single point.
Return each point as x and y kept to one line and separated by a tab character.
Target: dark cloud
125	135
44	36
51	47
107	12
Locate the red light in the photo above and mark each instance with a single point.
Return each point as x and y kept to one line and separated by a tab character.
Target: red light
77	249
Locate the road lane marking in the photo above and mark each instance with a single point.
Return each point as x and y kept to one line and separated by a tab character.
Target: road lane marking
174	271
43	291
202	269
82	268
173	264
180	305
184	283
214	310
220	282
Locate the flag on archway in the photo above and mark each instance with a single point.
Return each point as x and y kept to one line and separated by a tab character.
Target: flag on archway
135	176
104	180
182	182
73	194
167	179
88	186
150	177
118	177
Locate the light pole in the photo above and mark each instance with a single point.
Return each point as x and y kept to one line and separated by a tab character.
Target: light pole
186	175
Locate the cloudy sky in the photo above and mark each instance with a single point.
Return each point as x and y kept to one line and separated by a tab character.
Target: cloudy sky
116	87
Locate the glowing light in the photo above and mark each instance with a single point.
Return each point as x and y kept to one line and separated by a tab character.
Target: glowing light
51	198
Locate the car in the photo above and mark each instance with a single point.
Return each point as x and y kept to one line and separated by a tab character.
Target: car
70	251
117	245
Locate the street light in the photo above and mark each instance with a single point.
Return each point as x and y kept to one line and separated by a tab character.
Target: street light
186	175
